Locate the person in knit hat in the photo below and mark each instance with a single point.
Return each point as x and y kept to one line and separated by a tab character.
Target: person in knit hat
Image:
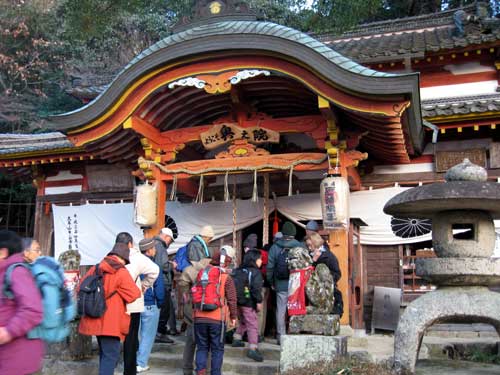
277	273
210	326
250	243
198	246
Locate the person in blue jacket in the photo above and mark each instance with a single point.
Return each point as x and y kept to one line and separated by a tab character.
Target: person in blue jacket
154	298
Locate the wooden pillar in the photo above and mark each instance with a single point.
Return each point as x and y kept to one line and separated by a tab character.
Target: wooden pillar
265	218
338	239
161	197
339	245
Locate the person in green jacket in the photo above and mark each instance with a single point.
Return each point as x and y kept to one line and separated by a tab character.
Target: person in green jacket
277	273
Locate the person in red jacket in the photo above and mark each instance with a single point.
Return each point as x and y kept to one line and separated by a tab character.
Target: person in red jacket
113	326
20	314
210	326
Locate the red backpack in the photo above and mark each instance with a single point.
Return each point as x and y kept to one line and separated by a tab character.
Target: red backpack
206	290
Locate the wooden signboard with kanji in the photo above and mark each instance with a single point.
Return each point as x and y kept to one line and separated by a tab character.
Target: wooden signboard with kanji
224	133
447	159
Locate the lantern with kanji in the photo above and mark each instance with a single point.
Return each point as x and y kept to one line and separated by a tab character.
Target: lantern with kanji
335	202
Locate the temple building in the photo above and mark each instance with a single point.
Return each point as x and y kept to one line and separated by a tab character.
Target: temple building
234	123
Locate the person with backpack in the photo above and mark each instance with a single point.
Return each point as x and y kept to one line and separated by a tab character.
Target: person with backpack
248	282
214	306
167	314
185	283
139	264
198	246
278	274
19	314
153	300
250	243
110	324
58	305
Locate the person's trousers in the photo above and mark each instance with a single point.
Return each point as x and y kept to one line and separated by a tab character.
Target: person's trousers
165	313
248	324
209	338
131	345
147	332
189	349
172	318
262	314
281	306
109	354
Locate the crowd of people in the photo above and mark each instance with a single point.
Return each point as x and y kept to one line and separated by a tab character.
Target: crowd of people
222	301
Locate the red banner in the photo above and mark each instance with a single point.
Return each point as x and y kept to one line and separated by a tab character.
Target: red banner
297	291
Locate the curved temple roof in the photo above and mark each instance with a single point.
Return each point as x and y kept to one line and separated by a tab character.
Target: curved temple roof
266	37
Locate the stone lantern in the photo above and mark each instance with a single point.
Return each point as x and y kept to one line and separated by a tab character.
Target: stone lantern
463	235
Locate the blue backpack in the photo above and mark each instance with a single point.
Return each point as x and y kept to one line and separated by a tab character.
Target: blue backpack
58	306
182	256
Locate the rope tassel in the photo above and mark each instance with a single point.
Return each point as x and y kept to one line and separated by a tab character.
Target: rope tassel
227	198
290	182
199	196
255	194
173	192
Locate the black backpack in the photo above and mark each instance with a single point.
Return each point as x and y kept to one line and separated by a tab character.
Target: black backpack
242	279
282	272
91	300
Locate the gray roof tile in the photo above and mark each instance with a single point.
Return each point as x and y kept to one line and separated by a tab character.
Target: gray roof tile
461	105
20	143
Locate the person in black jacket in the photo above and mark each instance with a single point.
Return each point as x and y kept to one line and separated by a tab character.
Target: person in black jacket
248	281
321	254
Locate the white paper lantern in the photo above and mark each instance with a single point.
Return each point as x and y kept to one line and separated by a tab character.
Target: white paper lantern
335	202
145	205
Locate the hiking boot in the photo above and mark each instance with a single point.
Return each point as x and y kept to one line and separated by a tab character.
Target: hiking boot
163	339
172	332
255	355
238	344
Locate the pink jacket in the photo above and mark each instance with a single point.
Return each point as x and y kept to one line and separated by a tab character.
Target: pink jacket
20	356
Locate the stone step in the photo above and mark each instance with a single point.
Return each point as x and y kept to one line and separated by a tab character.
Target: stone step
269	351
241	365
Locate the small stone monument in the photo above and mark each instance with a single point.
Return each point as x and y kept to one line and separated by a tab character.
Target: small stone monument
313	333
75	346
463	235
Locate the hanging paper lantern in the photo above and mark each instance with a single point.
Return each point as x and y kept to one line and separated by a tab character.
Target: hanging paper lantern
335	202
145	205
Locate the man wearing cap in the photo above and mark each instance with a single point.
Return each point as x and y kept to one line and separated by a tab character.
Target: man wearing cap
112	326
279	283
139	265
153	300
162	243
198	246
